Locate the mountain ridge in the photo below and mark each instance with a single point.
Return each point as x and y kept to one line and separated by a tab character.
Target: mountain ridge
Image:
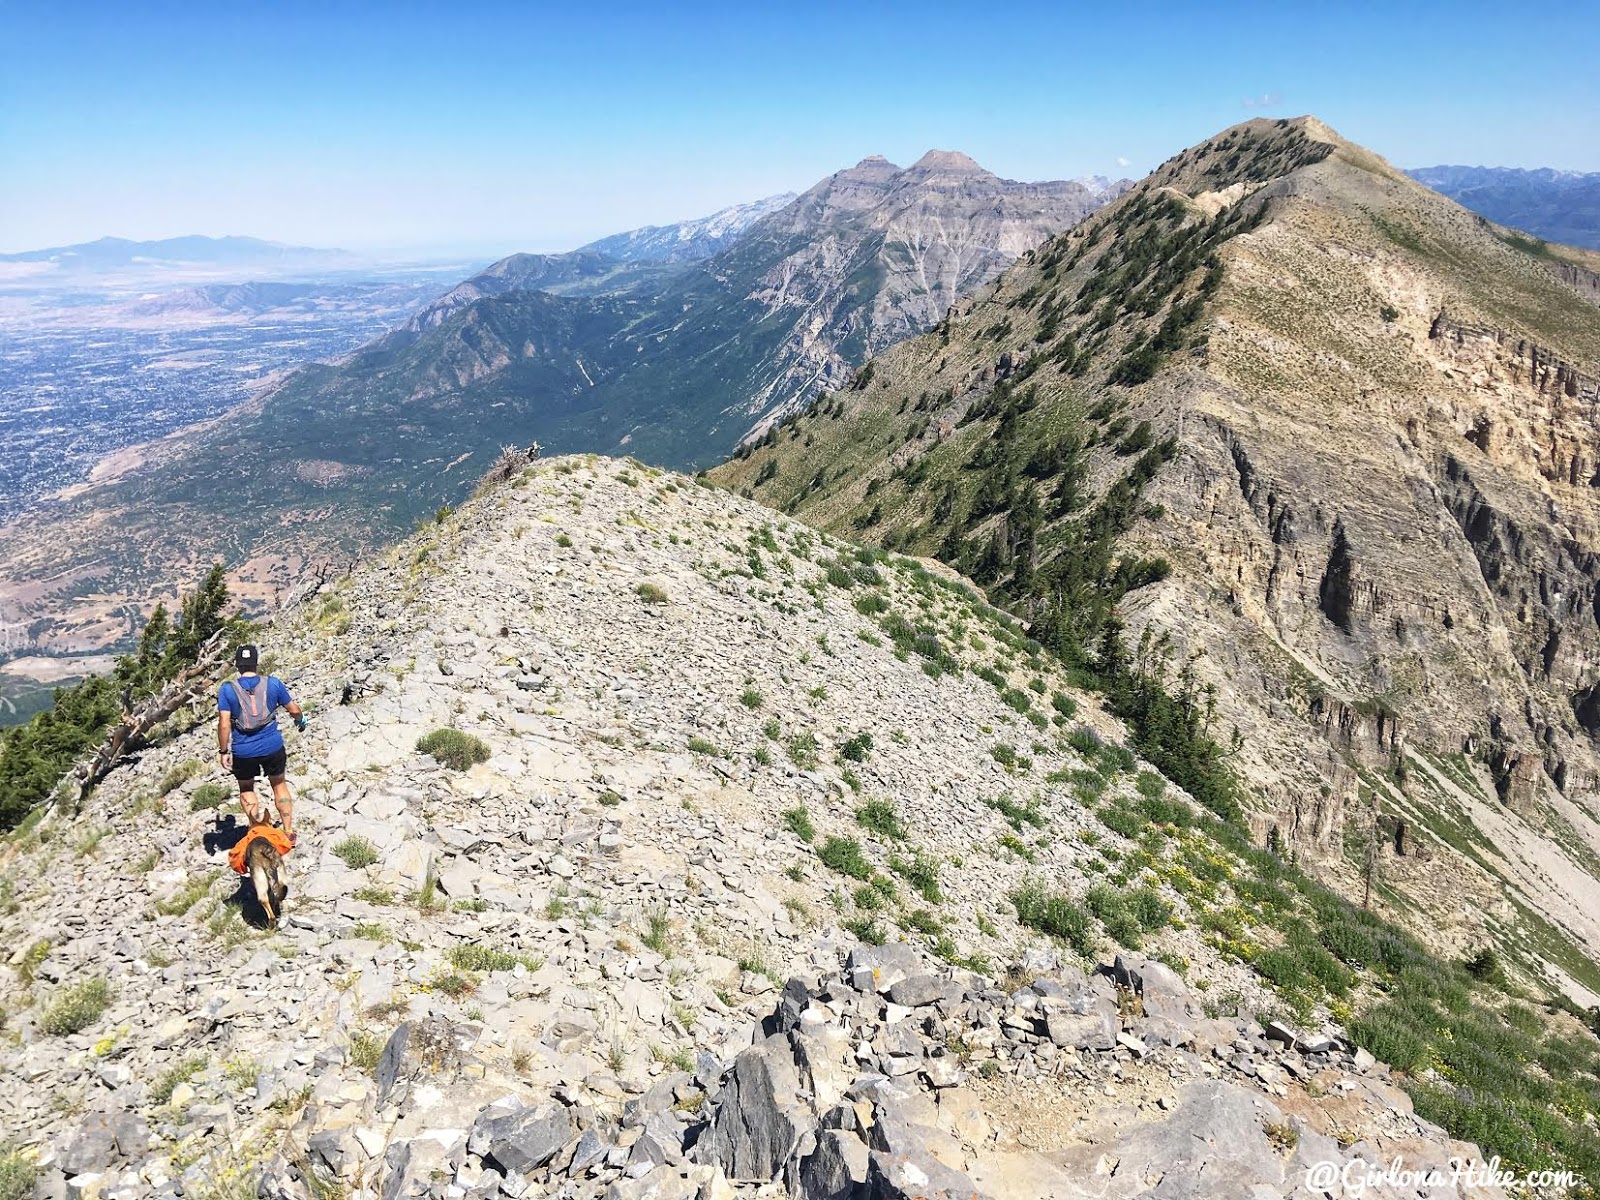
673	361
108	252
1560	206
815	831
1176	429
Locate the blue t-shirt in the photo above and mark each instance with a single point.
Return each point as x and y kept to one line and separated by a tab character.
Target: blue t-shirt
263	741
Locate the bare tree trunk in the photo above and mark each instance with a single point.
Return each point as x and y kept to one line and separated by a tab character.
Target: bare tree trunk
131	729
1371	871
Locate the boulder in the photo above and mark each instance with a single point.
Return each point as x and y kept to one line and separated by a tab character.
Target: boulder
878	968
1086	1031
915	991
525	1141
916	1176
420	1049
759	1117
102	1140
834	1170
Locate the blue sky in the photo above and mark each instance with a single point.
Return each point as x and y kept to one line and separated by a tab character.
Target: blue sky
485	127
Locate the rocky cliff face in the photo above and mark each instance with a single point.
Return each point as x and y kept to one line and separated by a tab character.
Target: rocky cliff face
1376	500
620	954
899	246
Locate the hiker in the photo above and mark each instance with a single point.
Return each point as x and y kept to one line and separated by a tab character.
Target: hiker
248	740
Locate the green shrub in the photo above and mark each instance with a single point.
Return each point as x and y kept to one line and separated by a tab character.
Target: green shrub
1149	909
1085	741
921	872
1055	915
1018	815
17	1175
1484	966
699	745
209	795
844	855
751	698
1116	759
1349	943
357	852
857	748
871	604
469	956
1282	968
75	1008
1064	705
658	931
186	897
803	750
453	748
880	817
866	930
178	776
651	593
799	822
1109	905
365	1051
181	1072
1120	820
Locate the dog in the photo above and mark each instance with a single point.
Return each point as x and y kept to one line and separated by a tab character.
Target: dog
264	866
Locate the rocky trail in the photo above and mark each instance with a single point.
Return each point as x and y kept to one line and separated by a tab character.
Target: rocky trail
629	951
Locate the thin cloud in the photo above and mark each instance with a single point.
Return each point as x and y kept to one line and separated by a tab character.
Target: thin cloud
1124	162
1265	100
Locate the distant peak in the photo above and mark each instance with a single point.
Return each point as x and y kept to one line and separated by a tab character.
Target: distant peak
873	160
945	160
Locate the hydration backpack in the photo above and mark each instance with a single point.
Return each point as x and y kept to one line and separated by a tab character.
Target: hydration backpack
255	714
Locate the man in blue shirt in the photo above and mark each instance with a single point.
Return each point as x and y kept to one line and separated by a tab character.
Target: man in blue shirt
248	739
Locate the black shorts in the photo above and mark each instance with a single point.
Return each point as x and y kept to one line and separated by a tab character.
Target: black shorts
271	765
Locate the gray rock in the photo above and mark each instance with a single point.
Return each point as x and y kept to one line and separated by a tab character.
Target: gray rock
760	1117
1085	1031
527	1140
834	1170
879	968
914	991
1277	1031
915	1176
411	1168
415	1050
102	1140
591	1148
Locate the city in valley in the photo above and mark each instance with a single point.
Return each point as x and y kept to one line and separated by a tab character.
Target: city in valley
95	365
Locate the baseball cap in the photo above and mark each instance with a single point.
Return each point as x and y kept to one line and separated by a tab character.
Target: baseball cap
246	658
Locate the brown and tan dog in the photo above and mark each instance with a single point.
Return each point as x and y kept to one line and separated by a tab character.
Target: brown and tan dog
259	855
265	867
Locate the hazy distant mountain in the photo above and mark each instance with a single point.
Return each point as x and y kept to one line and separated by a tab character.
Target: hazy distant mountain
113	253
1559	206
688	241
243	301
670	361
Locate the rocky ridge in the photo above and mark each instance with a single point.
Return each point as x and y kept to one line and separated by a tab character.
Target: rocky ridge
1416	653
604	960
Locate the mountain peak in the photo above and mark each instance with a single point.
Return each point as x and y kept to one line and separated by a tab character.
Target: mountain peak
945	160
